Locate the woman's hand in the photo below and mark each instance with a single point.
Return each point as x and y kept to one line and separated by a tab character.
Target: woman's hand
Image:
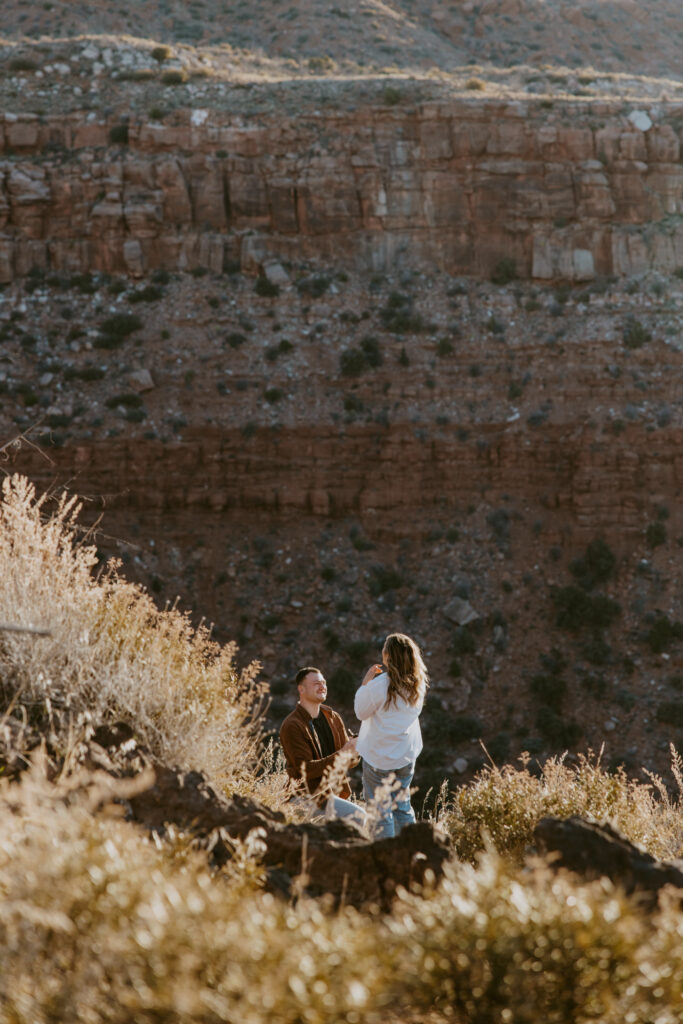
374	670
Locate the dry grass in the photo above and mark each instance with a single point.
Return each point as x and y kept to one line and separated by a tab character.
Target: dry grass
97	924
111	654
507	803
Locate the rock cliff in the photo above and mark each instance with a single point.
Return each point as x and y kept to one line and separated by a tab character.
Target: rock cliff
583	189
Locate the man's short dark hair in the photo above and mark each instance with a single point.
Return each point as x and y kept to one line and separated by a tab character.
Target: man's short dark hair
303	672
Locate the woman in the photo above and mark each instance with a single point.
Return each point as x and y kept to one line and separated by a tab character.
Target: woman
388	703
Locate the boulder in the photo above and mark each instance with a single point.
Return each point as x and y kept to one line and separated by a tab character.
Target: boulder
595	850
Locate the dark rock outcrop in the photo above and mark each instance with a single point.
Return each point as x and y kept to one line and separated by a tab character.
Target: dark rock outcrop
333	857
594	850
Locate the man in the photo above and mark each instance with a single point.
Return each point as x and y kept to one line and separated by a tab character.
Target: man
312	738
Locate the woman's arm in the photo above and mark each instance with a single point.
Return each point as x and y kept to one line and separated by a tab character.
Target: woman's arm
369	697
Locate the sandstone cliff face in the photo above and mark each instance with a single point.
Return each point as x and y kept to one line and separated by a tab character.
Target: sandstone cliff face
584	189
589	486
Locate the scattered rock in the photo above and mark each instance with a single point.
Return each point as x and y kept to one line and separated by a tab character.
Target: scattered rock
141	380
640	120
276	273
460	611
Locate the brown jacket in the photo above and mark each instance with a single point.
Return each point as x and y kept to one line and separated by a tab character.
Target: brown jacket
301	747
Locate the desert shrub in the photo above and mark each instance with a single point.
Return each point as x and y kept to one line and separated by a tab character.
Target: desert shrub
267	289
443	731
129	400
161	53
174	76
382	578
662	632
597	565
391	95
398	315
88	373
352	362
149	293
110	652
370	348
655	534
576	609
20	63
671	713
314	286
118	135
235	338
463	641
549	689
634	334
273	395
504	271
343	683
507	803
559	731
116	328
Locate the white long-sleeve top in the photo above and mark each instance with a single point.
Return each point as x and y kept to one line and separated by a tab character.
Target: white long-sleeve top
389	738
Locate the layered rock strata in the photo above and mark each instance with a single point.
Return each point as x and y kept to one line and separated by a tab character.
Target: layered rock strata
379	472
582	189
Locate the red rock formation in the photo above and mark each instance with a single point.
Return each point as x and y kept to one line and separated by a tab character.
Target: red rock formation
573	192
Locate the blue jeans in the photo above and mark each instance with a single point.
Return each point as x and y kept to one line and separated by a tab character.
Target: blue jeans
337	807
393	809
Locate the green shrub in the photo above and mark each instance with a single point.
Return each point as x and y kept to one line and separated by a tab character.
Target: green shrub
504	271
273	395
596	566
559	731
391	95
161	53
549	689
128	400
234	339
342	684
463	641
115	329
576	609
150	293
655	534
314	286
671	713
266	288
118	135
174	76
121	324
634	334
20	63
352	362
662	633
382	578
398	316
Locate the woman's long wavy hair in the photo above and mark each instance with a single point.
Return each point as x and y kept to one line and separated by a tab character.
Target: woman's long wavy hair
406	670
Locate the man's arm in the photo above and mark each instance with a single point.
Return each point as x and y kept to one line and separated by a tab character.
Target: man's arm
297	751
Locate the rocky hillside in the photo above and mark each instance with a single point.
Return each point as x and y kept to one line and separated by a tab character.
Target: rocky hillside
365	318
619	35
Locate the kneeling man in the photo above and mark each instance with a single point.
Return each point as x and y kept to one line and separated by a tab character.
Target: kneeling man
312	737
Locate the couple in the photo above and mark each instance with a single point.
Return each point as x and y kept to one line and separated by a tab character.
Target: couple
388	703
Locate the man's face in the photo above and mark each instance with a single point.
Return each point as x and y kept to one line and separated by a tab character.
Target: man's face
313	687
